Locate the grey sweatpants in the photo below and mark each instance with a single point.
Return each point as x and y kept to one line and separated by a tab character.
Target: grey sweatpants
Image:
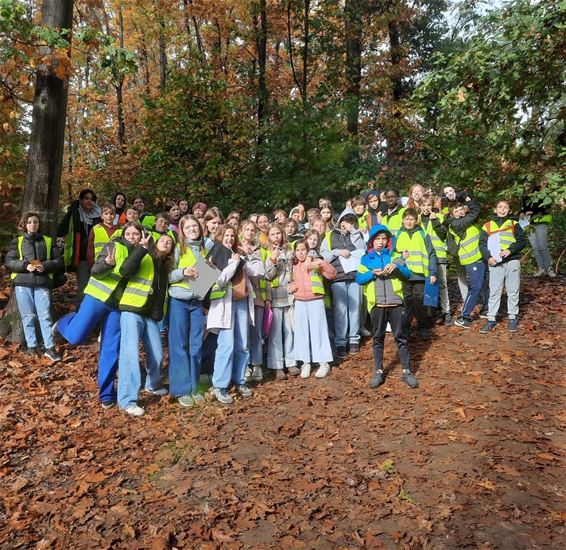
508	274
538	237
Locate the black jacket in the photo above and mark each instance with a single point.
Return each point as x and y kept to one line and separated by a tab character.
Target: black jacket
33	248
461	225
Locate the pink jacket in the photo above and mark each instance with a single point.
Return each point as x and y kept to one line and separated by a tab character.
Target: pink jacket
301	285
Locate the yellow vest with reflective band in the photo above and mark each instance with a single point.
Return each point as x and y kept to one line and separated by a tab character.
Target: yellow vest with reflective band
155	235
542	218
370	292
438	244
148	221
69	244
102	289
415	244
100	239
188	259
140	286
468	246
216	293
505	230
317	284
263	252
47	240
362	221
394	222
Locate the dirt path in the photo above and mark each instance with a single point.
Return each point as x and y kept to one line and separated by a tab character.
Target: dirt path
473	458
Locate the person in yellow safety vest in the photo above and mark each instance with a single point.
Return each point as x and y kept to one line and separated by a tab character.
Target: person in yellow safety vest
415	246
161	227
186	315
82	215
33	262
101	233
393	217
433	224
278	272
311	342
146	219
359	207
100	307
249	248
539	219
501	241
381	278
463	241
141	307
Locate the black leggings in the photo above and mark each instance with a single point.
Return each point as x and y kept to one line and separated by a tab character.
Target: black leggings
379	318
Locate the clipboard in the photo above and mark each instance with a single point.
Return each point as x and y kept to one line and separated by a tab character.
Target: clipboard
207	276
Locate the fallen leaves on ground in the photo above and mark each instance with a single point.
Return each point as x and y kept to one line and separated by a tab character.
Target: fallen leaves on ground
473	458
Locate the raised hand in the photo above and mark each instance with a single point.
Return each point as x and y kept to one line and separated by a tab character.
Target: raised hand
144	241
111	256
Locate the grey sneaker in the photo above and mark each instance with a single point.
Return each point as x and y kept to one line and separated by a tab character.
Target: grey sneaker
551	272
464	323
244	391
248	375
222	395
186	400
198	398
410	379
376	379
52	355
513	325
323	370
158	391
32	352
293	371
107	404
134	410
257	373
448	320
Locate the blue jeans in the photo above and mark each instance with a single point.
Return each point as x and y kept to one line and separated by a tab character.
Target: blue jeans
35	303
186	331
346	300
476	275
76	327
134	328
232	352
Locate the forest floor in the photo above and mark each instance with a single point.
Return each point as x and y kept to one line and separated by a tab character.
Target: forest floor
473	458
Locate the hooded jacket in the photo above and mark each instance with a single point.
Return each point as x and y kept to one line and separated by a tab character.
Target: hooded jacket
384	293
337	240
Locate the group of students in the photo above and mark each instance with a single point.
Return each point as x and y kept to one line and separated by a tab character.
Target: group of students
292	292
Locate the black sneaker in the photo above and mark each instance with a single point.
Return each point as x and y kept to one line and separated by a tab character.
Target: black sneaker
341	353
107	404
423	333
448	320
488	327
52	355
464	323
32	352
513	325
410	379
354	349
376	379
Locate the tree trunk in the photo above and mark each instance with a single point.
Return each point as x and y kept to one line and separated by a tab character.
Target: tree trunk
306	38
394	147
353	14
162	56
45	158
120	87
262	95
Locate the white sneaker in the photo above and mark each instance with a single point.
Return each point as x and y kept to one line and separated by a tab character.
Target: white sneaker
248	375
388	327
257	373
551	272
222	395
306	370
134	410
323	370
539	273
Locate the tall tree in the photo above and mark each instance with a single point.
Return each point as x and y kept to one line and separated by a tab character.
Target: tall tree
41	190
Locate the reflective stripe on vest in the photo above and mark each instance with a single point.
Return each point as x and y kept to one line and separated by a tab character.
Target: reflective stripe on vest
216	293
317	284
47	241
139	287
394	221
438	244
370	291
100	239
188	259
415	244
102	289
506	232
468	246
